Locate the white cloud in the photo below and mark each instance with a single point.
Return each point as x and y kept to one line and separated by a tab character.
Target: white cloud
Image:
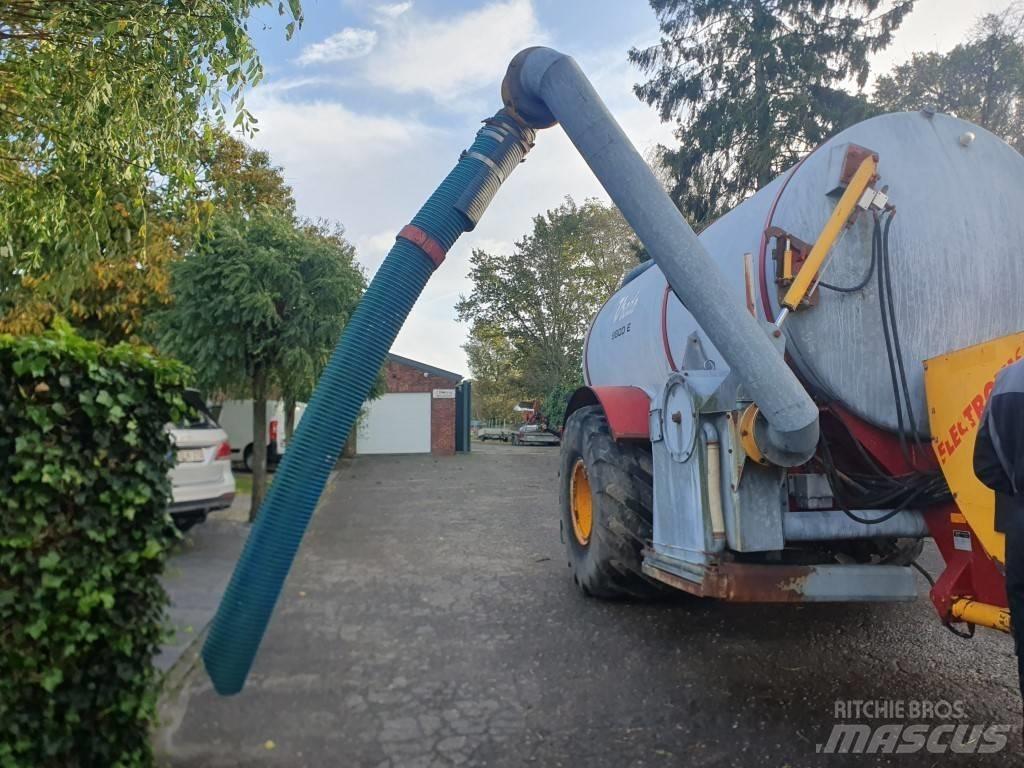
285	84
352	167
373	248
449	57
349	43
390	11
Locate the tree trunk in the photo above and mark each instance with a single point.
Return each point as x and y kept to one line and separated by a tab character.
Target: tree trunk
259	441
289	419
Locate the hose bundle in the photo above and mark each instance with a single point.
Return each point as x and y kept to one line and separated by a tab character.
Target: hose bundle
877	489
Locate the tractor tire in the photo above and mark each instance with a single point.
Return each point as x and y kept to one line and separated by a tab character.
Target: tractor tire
605	538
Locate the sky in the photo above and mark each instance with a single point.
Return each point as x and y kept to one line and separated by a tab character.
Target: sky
369	104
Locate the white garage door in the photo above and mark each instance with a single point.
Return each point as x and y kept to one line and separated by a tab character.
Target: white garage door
398	422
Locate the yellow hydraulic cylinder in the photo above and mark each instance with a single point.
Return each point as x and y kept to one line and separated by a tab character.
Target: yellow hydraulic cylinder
982	614
840	216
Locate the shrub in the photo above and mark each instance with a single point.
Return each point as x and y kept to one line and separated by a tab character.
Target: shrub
84	532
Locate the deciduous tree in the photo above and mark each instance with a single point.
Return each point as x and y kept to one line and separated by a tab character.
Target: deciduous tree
238	178
105	107
530	309
497	383
981	80
260	304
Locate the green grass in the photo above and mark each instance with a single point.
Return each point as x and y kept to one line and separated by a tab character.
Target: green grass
243	481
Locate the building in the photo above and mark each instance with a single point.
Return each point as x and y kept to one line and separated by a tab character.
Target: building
417	413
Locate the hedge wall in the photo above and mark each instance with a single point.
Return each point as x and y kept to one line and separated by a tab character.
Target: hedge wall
83	536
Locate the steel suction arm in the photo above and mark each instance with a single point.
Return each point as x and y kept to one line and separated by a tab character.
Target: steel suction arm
542	87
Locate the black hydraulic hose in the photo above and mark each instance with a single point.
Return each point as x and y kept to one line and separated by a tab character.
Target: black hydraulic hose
897	347
867	276
889	350
830	471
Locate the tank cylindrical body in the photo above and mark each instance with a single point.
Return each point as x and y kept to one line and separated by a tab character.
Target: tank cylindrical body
956	269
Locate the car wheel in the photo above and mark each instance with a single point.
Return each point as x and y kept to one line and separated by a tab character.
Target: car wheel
247	458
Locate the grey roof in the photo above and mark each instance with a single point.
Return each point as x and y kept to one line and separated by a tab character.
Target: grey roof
456	377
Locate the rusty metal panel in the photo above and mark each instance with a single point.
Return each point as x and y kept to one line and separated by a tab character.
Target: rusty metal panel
746	583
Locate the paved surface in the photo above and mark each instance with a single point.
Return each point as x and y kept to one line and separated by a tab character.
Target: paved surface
197	575
430	621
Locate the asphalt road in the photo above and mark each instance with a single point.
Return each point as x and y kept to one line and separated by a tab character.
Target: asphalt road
431	621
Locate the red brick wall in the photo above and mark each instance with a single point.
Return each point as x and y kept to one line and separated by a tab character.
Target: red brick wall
402	378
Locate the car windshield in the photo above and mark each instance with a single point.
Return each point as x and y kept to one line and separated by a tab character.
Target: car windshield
200	417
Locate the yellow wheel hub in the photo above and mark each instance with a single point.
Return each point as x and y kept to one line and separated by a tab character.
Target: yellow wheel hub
582	503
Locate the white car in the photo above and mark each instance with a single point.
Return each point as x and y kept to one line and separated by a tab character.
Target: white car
201	480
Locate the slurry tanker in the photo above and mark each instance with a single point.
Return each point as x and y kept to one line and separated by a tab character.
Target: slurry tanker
782	409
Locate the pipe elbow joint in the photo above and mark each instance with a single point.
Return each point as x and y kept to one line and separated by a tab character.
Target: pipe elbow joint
790	449
520	89
766	444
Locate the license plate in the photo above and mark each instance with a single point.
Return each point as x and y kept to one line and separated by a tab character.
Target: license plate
190	455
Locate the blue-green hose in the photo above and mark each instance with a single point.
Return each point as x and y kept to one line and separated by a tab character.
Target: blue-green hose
454	208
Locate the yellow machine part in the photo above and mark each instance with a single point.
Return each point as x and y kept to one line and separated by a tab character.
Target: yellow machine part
958	385
992	616
845	208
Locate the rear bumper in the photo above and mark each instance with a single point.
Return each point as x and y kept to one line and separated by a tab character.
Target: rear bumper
749	583
200	507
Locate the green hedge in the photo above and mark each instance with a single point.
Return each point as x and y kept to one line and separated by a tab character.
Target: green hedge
84	532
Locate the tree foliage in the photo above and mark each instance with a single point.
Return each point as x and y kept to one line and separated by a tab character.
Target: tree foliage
529	310
754	83
107	297
981	80
106	109
243	180
497	384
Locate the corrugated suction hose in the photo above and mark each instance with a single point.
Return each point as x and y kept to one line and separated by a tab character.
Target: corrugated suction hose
454	208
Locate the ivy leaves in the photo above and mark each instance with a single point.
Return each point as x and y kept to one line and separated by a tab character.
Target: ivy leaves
83	536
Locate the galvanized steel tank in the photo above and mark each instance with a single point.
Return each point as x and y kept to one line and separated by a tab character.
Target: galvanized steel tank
956	266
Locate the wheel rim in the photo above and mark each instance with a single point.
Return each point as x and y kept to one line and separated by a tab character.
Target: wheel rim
581	503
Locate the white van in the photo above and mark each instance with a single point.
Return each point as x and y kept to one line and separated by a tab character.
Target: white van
235	418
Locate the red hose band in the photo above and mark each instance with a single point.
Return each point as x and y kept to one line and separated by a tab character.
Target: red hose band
424	242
